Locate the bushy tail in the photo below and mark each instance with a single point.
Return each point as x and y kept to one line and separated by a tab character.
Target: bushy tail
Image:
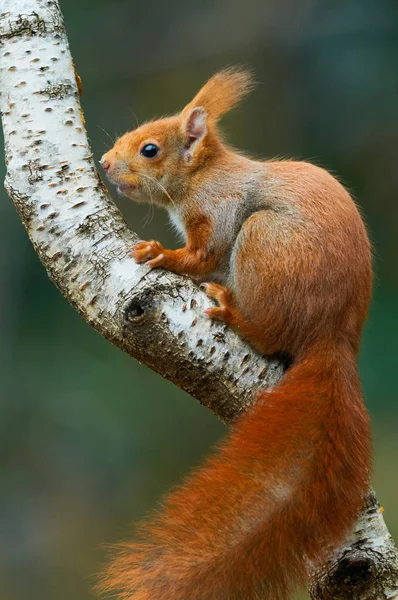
284	488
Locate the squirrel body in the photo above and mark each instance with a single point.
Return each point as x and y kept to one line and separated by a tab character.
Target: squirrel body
287	257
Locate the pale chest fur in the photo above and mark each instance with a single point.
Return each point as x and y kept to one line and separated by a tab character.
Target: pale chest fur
178	223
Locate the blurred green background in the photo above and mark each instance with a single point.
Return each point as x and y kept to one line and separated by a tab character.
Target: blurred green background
89	438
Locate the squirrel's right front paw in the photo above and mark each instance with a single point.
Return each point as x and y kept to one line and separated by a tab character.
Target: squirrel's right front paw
151	251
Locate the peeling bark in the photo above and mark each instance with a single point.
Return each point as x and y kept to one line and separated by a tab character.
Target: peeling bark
83	242
366	567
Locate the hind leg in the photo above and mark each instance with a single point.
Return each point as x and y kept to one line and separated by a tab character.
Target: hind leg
228	311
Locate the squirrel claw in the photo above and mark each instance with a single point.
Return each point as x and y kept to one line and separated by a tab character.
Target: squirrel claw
223	296
218	312
156	262
148	251
218	292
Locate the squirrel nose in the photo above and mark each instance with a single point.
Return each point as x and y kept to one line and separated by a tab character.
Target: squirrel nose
105	164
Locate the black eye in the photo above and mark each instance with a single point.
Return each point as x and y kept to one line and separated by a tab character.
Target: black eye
149	150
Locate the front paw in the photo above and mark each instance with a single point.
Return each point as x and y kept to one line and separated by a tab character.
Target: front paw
151	252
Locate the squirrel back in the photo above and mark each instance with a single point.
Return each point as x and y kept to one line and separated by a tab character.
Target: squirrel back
291	251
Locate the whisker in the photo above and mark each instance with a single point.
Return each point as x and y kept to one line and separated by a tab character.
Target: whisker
161	187
135	117
108	134
151	211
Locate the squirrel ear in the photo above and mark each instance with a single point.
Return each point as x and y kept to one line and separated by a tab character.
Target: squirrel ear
194	129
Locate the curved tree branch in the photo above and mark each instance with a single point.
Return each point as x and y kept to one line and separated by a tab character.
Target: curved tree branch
83	242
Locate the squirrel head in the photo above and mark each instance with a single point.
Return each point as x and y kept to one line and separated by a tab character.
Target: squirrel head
159	157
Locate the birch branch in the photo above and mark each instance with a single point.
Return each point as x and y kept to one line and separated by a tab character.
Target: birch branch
155	316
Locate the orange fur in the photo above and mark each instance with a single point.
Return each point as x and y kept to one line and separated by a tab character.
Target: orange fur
291	258
194	258
222	92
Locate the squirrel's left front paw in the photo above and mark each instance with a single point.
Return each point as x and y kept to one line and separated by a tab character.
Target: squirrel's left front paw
151	252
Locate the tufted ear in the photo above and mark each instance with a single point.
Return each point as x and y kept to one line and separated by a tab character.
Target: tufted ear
222	92
194	129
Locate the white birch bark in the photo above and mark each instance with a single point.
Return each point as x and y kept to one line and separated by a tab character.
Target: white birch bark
83	242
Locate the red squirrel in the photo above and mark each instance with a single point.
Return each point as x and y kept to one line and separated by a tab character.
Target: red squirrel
287	258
